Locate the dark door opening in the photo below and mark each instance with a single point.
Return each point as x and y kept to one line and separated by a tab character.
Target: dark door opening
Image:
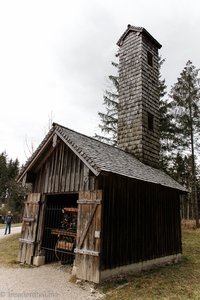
60	221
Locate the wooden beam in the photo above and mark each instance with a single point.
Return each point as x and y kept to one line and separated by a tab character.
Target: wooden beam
87	226
85	251
86	201
46	156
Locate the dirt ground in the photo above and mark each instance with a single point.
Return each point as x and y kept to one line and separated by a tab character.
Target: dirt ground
50	281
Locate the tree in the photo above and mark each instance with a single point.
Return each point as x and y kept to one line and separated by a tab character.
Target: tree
180	170
185	96
3	176
109	119
11	193
167	128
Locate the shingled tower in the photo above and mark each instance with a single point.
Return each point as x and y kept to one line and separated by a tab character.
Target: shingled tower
138	115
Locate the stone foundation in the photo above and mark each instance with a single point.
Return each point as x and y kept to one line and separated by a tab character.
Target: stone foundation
142	266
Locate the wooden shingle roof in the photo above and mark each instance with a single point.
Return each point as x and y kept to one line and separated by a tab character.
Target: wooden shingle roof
140	30
100	157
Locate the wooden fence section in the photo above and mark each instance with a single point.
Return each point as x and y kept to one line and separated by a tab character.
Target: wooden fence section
29	228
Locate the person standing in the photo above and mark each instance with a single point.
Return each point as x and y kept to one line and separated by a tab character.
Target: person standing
8	221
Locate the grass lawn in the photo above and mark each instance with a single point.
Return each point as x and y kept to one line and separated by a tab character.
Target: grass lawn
180	281
9	247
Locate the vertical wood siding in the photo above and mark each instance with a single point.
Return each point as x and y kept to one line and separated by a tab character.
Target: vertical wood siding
62	172
141	221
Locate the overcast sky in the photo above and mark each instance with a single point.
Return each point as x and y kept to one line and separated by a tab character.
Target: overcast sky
55	57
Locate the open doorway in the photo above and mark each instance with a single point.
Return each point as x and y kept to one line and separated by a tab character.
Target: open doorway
60	226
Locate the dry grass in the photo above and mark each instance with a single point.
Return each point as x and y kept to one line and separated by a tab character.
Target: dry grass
188	224
180	281
9	247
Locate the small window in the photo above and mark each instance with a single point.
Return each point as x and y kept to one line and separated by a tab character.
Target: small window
150	121
150	58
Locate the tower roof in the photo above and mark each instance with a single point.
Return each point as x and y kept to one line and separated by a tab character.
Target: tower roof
131	28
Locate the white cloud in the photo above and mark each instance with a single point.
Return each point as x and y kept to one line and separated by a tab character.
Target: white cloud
55	56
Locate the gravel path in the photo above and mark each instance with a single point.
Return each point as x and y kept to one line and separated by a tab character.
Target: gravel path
50	281
13	230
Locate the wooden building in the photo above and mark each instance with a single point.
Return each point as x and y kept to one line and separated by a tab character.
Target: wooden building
106	209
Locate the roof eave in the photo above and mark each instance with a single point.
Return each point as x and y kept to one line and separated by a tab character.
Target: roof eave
95	170
33	160
182	190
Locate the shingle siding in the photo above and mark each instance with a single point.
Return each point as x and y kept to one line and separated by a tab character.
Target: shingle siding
138	96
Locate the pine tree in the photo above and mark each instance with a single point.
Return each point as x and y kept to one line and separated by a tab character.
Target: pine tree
13	168
166	125
11	193
185	95
3	176
109	119
180	170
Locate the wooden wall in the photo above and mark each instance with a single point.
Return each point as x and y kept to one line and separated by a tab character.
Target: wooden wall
63	172
141	221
